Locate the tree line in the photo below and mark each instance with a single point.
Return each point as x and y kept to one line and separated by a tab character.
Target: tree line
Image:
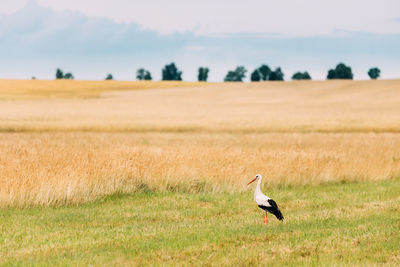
170	72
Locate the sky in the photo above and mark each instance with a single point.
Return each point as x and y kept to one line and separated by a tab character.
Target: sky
91	38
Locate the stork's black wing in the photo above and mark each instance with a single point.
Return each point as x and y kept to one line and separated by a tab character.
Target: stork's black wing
273	209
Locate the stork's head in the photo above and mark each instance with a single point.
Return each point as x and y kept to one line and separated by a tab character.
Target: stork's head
258	177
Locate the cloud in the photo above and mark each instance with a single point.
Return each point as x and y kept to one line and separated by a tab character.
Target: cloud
10	6
41	30
35	40
49	38
210	17
195	48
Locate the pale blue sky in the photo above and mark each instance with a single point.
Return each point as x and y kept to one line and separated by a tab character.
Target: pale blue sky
92	38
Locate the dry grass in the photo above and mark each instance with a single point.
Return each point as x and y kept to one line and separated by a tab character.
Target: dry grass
207	138
42	89
334	106
57	168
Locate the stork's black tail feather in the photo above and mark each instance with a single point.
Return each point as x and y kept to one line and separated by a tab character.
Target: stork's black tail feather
275	210
279	215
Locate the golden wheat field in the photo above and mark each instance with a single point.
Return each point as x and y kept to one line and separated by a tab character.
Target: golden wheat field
73	141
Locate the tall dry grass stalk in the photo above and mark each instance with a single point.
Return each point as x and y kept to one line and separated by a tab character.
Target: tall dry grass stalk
56	150
57	168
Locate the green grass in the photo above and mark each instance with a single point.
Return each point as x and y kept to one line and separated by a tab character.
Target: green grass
330	224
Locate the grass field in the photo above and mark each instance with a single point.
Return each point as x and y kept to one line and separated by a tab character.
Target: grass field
331	224
116	173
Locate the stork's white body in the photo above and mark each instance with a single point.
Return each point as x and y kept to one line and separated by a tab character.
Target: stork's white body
259	197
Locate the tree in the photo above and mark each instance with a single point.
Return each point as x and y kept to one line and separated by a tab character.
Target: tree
142	74
264	72
255	76
109	77
374	73
171	73
59	74
203	74
276	75
68	76
331	74
301	76
340	72
147	76
236	75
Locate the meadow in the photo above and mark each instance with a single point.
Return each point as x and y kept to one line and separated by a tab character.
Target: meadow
113	173
347	224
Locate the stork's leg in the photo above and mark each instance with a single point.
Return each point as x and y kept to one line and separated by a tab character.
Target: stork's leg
266	217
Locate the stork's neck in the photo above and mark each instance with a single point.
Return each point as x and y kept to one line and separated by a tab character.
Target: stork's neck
258	188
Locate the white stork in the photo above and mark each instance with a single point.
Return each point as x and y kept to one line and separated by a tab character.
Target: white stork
265	203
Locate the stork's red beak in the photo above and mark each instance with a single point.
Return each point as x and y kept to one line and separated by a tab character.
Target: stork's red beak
252	180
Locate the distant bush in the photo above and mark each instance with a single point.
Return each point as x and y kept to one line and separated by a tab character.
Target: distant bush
255	76
171	73
374	73
61	75
143	75
301	76
203	74
68	76
260	74
147	76
109	77
264	73
236	75
340	72
276	75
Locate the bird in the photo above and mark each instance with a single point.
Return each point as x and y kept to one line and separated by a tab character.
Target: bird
265	203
